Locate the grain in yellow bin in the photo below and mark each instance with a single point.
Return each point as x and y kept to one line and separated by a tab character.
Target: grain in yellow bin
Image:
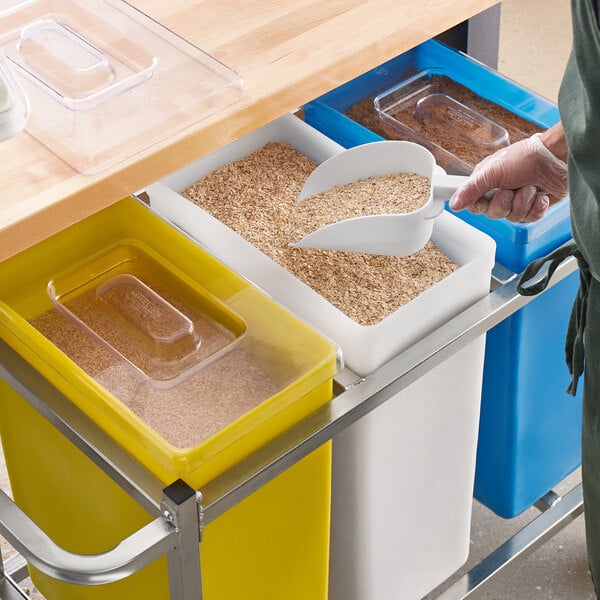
188	367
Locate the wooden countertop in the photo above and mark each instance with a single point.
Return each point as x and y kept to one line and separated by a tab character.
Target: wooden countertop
288	53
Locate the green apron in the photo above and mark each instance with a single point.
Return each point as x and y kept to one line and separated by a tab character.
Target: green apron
579	105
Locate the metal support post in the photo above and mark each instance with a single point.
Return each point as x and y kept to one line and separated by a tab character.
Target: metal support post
483	38
181	507
479	37
9	590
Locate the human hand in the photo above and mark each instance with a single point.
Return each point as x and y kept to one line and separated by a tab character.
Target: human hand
529	178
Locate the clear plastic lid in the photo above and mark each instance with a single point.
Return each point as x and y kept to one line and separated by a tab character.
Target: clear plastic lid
74	71
14	107
459	120
146	313
421	109
105	81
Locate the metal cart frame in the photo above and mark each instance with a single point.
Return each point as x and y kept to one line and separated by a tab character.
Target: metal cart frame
181	512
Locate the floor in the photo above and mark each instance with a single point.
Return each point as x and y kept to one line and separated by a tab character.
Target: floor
534	43
535	39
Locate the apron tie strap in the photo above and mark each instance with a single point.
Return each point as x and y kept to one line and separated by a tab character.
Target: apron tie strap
574	347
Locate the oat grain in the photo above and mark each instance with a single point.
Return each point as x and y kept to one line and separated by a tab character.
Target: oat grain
255	197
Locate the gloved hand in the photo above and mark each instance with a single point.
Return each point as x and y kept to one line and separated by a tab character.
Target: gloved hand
529	179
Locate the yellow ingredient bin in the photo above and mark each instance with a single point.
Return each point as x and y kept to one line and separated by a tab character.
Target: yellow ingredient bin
272	545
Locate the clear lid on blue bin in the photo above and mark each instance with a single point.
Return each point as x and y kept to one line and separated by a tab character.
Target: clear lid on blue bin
105	81
422	109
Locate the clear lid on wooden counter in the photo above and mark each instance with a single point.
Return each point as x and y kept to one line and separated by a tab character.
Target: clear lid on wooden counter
105	81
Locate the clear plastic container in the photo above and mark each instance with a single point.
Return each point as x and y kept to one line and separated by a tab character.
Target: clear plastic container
421	110
146	313
105	81
14	107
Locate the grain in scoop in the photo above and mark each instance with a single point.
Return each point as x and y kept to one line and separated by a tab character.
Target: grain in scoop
394	193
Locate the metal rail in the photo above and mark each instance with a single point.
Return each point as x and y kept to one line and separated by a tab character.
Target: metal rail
564	510
180	518
133	553
10	590
360	396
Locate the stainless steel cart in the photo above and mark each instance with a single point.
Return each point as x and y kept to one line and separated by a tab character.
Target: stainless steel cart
182	512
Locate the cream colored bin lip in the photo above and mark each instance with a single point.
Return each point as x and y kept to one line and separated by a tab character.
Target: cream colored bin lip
365	348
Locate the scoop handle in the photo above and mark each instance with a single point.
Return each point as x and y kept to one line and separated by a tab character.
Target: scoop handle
445	185
435	208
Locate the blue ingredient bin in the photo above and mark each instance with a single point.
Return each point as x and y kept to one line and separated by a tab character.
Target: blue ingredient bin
529	436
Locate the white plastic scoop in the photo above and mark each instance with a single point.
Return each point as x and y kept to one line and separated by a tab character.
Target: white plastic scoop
387	234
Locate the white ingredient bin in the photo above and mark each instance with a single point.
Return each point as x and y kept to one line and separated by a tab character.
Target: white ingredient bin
402	475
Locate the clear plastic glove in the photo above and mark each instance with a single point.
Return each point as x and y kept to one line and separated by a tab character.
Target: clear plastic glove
529	179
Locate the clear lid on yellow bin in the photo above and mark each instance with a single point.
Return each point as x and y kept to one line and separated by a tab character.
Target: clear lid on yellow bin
14	107
105	81
141	309
421	109
244	372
